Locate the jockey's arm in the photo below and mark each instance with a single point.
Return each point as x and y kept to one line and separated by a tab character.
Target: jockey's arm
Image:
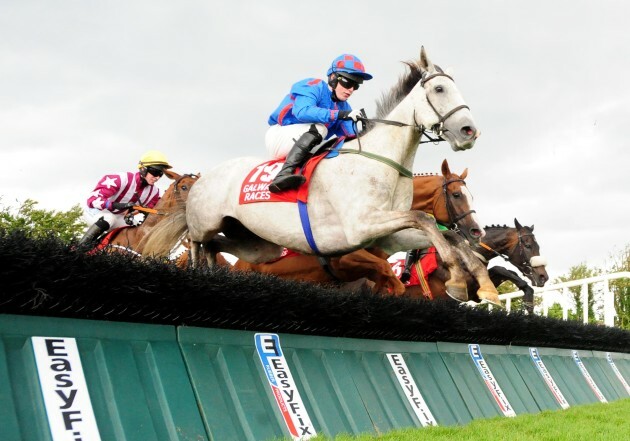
306	107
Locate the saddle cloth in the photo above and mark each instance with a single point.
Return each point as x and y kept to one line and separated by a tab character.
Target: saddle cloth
107	239
420	271
255	186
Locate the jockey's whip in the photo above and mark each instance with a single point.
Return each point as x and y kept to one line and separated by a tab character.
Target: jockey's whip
149	210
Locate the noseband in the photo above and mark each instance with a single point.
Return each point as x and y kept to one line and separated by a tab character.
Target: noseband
520	246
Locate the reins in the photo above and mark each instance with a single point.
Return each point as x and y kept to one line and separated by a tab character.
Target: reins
437	128
519	245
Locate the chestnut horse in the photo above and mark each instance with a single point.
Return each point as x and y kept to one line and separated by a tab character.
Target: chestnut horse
444	196
516	245
131	239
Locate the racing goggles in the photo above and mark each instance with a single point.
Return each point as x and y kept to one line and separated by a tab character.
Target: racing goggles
347	83
157	172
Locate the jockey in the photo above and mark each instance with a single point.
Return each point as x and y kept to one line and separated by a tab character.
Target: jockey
314	109
116	193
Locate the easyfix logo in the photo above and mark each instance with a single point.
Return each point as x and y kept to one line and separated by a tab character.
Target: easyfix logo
551	384
68	406
283	387
491	383
410	389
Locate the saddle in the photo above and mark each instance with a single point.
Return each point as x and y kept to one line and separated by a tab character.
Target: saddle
104	241
255	186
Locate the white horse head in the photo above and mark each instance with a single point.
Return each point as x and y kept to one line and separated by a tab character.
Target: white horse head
428	98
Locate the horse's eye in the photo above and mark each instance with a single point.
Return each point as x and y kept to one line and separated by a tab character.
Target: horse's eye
439	89
184	187
457	195
528	245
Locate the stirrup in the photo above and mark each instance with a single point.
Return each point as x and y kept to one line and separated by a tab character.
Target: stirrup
283	183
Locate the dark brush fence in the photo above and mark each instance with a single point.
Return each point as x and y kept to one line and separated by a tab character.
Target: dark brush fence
45	277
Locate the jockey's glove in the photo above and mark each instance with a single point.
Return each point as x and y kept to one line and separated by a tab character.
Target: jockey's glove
351	114
122	205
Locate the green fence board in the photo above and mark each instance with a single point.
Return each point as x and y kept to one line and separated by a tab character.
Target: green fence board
567	375
622	361
611	386
533	379
135	375
471	387
151	382
22	384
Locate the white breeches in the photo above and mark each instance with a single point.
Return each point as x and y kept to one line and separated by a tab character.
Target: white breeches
91	215
280	139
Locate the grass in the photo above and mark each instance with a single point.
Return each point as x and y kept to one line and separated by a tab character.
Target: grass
593	422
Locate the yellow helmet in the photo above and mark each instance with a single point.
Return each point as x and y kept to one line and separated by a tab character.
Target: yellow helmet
153	158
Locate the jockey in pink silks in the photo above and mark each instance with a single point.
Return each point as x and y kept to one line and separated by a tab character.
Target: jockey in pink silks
116	193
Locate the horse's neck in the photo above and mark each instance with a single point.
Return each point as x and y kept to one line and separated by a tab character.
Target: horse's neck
166	203
425	193
500	240
397	143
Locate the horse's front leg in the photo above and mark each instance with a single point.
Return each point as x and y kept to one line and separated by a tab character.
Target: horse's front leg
487	290
424	234
196	253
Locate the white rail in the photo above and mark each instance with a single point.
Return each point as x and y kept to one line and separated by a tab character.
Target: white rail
563	289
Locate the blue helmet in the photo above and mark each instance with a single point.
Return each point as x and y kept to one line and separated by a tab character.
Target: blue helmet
350	66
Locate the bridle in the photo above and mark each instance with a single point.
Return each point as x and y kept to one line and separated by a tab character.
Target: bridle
177	191
527	269
453	219
437	128
515	254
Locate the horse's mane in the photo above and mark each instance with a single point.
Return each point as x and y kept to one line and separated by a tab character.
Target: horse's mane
386	103
505	226
425	174
396	94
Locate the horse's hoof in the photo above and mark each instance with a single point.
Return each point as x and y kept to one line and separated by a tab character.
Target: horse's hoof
490	296
457	291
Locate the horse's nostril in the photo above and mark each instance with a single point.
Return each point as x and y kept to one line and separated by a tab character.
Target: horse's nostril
467	131
475	232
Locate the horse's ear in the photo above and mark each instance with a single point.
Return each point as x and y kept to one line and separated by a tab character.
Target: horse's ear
446	170
532	227
517	224
172	175
464	174
425	63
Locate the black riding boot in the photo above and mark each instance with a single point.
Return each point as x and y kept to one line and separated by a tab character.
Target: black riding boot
298	154
410	259
94	232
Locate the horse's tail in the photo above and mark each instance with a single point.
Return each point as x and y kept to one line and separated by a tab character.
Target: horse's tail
166	234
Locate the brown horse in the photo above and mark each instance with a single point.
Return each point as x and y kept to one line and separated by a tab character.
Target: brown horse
516	245
131	239
444	196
